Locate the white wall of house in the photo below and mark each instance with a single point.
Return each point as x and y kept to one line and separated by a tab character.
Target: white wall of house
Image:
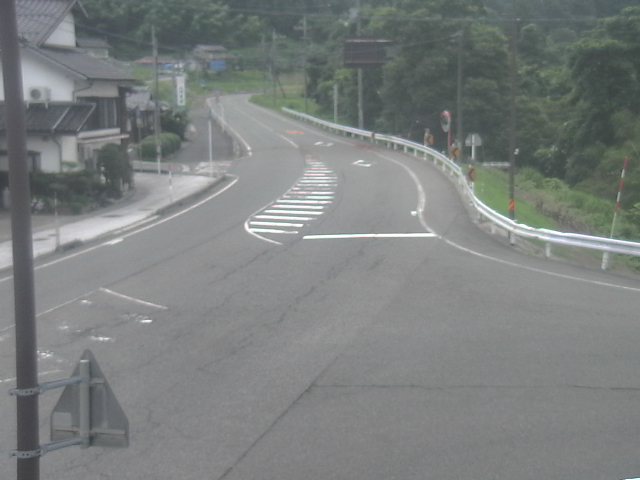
37	74
65	34
50	153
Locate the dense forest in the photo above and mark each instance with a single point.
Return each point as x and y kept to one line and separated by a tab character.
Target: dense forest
577	83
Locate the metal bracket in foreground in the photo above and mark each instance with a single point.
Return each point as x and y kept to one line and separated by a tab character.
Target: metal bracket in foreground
87	413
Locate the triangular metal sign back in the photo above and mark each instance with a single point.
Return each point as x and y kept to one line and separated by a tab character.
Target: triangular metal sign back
107	426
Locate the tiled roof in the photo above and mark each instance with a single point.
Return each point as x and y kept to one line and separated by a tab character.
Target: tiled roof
84	65
91	42
37	19
53	118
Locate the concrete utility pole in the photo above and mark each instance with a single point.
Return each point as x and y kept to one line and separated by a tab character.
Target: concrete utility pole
360	79
513	151
460	133
28	448
156	94
304	65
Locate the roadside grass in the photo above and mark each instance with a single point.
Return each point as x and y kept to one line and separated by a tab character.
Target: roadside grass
492	188
549	203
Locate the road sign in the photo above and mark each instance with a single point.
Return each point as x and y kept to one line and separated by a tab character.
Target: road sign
473	140
181	91
445	121
89	409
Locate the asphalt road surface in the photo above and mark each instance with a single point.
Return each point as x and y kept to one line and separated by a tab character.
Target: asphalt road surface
333	312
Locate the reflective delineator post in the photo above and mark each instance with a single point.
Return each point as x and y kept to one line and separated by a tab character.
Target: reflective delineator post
605	255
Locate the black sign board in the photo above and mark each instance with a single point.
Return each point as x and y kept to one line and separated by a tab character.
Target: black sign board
365	52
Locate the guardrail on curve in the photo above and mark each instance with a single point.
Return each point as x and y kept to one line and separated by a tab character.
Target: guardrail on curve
549	237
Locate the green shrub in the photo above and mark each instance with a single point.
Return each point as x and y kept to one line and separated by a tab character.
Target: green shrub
76	191
169	142
114	165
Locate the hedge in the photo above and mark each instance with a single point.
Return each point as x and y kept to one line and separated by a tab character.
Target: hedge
170	143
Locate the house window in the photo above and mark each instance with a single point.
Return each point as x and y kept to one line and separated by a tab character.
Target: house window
105	115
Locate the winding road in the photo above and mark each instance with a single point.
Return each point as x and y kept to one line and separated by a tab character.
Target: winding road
333	312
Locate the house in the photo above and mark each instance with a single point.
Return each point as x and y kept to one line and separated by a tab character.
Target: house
214	58
75	101
165	64
141	111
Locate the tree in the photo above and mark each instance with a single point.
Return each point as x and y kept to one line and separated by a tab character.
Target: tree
114	165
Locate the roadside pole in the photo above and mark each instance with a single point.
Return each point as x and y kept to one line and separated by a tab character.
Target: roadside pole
210	144
605	255
156	101
28	442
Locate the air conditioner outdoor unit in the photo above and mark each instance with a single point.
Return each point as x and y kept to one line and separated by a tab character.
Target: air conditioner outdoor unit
39	95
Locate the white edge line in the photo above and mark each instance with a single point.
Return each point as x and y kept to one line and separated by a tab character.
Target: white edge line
421	208
133	299
135	232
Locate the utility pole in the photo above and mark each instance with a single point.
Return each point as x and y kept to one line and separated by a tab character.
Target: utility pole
273	66
460	133
156	94
513	151
28	441
360	79
304	64
335	102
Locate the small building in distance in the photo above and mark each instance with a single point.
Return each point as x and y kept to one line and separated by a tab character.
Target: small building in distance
213	58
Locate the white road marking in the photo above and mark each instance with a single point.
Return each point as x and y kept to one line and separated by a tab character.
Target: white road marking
369	235
317	185
301	207
305	202
115	241
135	232
277	224
420	211
314	192
273	230
309	197
294	212
282	217
362	163
133	299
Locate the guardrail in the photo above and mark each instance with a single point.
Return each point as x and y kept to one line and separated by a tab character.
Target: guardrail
514	229
217	114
